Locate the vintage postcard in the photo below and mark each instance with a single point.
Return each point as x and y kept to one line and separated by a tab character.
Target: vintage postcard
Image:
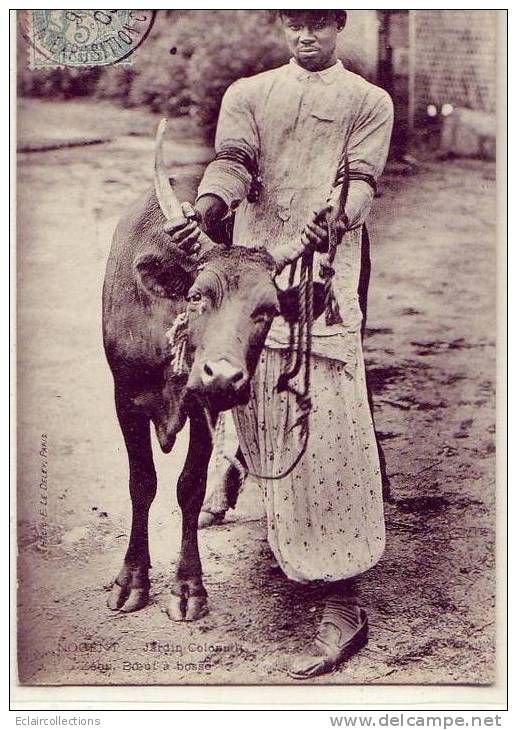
256	257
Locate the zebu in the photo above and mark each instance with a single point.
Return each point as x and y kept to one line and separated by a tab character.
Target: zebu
229	298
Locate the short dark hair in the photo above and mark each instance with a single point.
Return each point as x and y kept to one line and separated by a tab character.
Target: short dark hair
339	16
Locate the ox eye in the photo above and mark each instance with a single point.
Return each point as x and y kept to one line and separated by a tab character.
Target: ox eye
194	296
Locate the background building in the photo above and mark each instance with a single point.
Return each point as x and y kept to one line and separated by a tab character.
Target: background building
427	57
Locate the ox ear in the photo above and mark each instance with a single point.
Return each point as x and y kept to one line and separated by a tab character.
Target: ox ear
163	277
289	304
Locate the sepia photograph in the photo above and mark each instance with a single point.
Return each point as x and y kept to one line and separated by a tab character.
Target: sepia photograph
256	267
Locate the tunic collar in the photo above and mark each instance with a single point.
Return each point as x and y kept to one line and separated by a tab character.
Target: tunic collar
328	75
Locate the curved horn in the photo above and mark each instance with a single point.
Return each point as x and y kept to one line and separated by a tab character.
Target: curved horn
169	203
167	199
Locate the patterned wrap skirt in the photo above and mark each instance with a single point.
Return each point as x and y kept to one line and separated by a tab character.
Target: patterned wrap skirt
325	519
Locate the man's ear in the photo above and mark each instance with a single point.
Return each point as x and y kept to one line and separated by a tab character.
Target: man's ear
290	307
162	277
341	20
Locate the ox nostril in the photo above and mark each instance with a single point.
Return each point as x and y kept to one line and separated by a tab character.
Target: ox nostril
221	375
237	377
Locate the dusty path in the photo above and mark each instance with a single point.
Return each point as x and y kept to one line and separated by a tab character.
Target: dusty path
430	352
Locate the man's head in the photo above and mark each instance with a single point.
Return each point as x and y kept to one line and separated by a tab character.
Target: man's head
311	36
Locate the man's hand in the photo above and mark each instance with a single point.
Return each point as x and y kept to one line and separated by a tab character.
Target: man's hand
315	234
185	232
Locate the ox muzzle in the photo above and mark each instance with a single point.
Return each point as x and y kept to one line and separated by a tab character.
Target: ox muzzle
221	382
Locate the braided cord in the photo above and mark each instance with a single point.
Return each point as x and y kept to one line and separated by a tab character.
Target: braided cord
177	337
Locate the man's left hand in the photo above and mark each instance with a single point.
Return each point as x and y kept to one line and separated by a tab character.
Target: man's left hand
316	233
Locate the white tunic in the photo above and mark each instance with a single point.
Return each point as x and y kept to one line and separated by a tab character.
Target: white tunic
296	124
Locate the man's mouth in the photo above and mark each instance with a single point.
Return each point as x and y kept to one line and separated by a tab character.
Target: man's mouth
308	51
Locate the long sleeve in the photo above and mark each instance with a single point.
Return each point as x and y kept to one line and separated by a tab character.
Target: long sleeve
368	148
236	145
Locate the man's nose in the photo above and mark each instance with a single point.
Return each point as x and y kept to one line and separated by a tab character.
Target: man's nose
307	36
222	375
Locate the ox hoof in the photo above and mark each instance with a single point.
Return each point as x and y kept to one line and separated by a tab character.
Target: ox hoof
189	604
209	519
130	590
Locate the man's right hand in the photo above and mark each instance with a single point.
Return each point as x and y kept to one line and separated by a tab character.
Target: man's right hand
185	232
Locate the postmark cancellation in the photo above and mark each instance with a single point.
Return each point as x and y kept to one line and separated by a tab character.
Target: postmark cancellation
83	38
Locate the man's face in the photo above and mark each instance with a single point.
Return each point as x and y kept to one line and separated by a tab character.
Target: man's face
311	39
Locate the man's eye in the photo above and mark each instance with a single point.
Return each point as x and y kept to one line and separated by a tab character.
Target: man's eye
194	296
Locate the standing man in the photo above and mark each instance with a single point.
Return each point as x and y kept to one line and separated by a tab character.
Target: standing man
280	143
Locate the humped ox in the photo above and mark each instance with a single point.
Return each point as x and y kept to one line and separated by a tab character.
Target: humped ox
228	297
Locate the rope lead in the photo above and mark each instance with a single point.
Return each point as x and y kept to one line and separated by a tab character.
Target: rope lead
327	271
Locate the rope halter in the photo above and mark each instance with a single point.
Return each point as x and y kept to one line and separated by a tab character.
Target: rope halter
177	337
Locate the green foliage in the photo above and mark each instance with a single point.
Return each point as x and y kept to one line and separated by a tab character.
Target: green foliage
115	83
160	80
241	44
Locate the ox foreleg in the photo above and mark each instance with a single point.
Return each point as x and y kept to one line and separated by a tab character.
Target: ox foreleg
130	590
189	598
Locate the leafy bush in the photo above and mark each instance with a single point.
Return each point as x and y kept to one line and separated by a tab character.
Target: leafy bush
158	77
242	43
115	83
161	80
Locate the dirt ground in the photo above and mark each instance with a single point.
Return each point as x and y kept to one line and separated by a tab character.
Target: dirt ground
430	351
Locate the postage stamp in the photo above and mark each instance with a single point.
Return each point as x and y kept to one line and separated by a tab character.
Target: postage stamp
79	38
